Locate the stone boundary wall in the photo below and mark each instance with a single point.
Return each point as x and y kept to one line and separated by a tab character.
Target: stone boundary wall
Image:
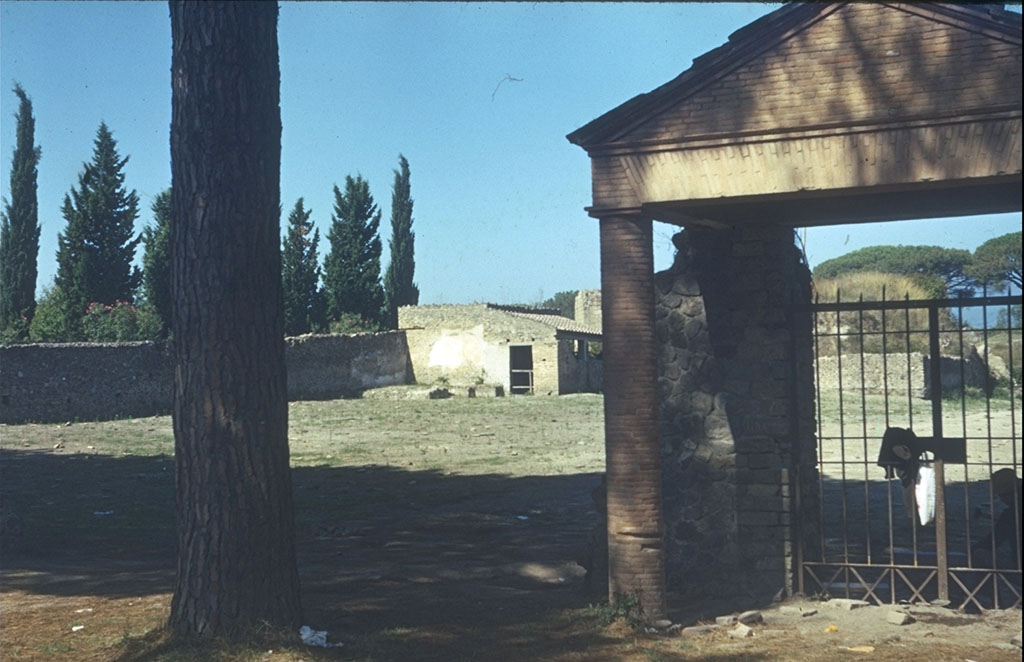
906	373
48	383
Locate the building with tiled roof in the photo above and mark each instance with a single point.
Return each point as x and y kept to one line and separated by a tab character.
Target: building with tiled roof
513	349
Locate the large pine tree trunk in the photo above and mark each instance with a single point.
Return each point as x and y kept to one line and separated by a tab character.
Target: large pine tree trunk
236	529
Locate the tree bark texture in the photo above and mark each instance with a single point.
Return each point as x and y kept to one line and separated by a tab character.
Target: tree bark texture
636	562
236	529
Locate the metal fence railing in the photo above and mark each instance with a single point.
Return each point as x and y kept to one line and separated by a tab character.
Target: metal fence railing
949	371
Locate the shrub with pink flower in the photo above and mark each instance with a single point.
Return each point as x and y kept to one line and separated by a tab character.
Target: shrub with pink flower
120	322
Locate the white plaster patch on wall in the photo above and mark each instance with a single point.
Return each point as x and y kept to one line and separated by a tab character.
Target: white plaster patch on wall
457	348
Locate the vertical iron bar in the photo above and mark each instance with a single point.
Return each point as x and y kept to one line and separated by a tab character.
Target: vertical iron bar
842	436
1013	429
888	483
910	376
910	415
935	384
1016	504
864	430
991	466
963	429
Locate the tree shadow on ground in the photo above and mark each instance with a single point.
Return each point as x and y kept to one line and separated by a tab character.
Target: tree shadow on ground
398	564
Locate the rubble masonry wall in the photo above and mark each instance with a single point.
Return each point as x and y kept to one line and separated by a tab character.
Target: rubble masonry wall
87	381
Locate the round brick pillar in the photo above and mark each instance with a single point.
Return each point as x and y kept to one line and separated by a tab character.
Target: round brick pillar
636	563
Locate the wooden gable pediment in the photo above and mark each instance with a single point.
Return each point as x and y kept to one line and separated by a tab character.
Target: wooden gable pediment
819	97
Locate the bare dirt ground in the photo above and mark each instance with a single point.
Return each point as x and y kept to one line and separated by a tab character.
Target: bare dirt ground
428	530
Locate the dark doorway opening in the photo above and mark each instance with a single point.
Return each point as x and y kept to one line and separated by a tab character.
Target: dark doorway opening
520	361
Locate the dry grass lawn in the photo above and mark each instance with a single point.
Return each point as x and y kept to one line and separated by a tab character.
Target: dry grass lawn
439	530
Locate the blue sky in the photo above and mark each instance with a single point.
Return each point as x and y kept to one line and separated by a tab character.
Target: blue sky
478	97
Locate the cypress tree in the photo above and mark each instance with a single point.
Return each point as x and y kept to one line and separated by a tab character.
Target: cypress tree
300	275
399	288
19	226
156	260
352	267
96	249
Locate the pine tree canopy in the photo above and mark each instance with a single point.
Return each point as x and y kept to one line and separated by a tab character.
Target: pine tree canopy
96	249
19	223
940	270
304	308
156	261
998	261
399	288
352	267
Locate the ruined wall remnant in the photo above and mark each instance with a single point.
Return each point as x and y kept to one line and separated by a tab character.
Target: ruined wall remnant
322	367
90	381
735	431
579	371
902	373
587	308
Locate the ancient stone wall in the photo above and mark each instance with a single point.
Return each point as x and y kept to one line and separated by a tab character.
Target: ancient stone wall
737	421
587	308
907	373
578	371
80	381
84	381
322	367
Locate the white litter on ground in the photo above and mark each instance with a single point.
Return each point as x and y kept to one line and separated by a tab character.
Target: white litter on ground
312	637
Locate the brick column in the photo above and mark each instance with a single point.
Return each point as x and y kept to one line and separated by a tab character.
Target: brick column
636	563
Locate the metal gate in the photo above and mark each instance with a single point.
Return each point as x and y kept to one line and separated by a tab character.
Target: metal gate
949	370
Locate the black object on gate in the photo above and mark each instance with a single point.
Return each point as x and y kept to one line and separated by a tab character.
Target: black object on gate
900	455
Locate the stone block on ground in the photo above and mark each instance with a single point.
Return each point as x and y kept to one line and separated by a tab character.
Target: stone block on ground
741	631
698	630
898	618
847	603
750	617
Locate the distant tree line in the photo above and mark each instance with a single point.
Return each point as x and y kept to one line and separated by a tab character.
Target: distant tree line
940	272
929	272
98	295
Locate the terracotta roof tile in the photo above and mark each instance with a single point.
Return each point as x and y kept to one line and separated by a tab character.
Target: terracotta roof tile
550	318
